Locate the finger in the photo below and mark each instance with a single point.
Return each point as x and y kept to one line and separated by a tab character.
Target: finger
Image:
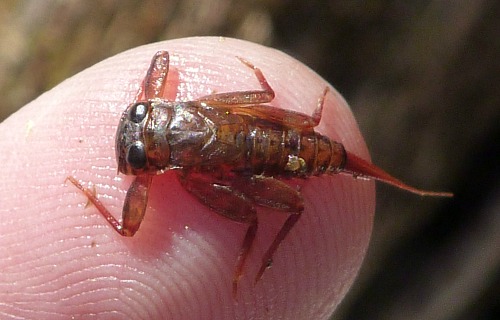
61	259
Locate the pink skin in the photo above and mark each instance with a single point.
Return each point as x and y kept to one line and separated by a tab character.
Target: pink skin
59	258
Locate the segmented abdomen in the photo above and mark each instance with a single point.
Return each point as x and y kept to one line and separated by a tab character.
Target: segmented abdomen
290	152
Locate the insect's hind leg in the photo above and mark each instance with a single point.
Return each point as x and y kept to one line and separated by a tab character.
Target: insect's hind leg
272	193
243	97
318	112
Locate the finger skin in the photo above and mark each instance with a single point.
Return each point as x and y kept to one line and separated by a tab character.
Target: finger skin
59	258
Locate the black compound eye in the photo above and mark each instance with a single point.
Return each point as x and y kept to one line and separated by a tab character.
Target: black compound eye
138	112
136	156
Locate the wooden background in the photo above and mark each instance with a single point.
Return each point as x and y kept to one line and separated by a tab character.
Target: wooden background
422	78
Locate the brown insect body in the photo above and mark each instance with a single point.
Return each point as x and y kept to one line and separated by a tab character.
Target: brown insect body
227	149
191	135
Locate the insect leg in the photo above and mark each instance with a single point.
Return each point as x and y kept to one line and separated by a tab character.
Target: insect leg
243	97
155	81
133	208
288	118
135	204
275	194
224	200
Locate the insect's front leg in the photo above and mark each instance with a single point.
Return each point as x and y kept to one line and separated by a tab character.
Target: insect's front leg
156	78
134	206
154	83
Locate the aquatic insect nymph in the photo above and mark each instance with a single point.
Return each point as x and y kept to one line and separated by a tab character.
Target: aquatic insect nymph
229	151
